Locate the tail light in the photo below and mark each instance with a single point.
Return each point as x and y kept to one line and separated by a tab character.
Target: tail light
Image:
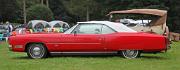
13	33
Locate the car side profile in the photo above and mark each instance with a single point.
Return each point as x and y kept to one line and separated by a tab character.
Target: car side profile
90	37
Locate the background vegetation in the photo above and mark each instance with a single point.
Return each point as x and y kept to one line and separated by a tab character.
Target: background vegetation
80	10
39	12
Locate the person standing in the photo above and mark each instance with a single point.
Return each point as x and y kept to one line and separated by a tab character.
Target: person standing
10	28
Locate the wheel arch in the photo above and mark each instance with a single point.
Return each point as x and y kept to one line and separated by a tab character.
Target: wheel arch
29	43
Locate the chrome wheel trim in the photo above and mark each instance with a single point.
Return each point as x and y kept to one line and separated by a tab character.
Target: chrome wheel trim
36	51
130	54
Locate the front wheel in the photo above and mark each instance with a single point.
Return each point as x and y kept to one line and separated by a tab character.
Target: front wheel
37	51
130	54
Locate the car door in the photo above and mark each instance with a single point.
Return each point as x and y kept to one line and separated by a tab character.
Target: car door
110	38
85	37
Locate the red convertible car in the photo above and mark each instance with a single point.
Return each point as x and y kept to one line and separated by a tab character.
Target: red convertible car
90	37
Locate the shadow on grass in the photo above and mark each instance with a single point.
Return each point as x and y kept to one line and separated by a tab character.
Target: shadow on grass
154	57
22	57
95	56
86	56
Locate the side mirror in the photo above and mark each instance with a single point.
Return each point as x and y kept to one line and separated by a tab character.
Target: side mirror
75	33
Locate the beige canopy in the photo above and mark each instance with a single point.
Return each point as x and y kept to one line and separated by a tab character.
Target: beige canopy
156	12
141	11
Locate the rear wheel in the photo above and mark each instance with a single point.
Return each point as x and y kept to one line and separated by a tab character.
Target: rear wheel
37	51
130	54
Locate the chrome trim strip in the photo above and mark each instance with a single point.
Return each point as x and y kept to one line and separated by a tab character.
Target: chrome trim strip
73	43
86	52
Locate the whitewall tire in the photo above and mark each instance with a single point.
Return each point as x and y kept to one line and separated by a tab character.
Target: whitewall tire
37	51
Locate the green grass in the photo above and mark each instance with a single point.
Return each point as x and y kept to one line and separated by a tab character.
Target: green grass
19	61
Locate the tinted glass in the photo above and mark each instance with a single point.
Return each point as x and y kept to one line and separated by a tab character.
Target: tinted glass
107	30
89	29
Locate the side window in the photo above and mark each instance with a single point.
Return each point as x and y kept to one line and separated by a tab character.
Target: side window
107	30
89	29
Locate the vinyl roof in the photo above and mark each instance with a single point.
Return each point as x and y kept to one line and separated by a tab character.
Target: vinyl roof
119	27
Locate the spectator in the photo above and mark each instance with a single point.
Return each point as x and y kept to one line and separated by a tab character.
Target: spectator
10	28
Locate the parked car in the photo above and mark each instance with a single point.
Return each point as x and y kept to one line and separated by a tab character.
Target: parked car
4	32
59	26
90	37
134	23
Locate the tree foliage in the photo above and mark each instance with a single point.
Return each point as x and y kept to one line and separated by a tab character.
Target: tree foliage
39	12
79	10
8	10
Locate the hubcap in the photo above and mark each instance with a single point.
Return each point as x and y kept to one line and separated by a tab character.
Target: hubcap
36	51
130	53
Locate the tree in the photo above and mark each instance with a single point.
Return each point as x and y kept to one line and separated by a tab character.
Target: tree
39	12
173	15
8	10
81	8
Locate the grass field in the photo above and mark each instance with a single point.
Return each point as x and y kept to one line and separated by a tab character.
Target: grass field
20	61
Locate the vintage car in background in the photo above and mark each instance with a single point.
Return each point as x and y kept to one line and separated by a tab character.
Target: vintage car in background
58	26
131	22
90	37
3	32
153	20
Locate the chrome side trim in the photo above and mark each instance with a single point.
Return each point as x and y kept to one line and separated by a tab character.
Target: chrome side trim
73	43
85	52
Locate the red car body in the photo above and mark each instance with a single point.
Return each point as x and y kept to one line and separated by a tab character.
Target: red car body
61	42
107	42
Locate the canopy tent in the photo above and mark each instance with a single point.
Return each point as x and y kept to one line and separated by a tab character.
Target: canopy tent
161	13
141	11
37	23
58	24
